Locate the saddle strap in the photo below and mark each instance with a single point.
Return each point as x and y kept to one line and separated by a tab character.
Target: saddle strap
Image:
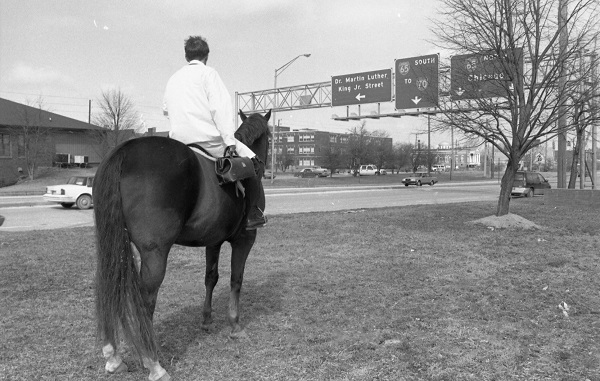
201	151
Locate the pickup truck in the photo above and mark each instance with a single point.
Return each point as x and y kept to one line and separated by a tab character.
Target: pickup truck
419	178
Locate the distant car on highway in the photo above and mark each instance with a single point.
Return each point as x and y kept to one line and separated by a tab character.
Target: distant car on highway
267	174
77	190
323	172
368	170
419	178
311	172
528	184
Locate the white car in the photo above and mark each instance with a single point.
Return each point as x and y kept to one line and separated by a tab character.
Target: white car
78	190
368	170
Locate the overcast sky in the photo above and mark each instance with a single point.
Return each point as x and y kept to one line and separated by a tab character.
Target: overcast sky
68	51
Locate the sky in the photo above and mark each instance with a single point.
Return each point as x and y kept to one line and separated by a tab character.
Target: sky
68	51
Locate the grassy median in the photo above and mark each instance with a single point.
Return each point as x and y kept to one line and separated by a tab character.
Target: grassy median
408	293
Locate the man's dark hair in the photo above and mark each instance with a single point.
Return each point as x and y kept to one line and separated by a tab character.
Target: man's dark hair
196	48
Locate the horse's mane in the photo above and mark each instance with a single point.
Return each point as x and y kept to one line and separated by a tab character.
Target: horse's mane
251	129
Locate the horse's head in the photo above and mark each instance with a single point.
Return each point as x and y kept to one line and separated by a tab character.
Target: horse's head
254	132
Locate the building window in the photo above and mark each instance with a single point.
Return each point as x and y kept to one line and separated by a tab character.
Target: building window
290	150
307	137
306	149
21	146
290	139
306	162
5	145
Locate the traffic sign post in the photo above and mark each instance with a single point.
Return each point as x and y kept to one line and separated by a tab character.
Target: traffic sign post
483	75
361	88
417	82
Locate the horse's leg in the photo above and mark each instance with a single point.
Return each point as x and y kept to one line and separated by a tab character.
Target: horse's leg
240	248
114	363
210	281
152	266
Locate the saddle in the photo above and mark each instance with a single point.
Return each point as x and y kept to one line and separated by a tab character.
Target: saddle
229	169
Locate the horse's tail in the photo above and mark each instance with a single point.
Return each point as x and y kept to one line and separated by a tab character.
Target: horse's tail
119	302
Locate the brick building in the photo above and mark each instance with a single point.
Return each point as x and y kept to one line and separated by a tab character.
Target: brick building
59	134
308	147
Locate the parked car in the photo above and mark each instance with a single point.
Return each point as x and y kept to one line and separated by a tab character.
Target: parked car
382	172
528	184
77	190
307	172
419	178
267	174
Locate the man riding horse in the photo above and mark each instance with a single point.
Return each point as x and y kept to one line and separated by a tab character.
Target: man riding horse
200	112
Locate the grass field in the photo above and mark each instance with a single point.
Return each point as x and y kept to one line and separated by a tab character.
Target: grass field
414	293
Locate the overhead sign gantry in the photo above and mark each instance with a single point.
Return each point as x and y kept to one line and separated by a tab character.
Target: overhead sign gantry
414	86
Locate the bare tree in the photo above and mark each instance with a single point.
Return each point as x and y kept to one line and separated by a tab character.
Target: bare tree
33	138
358	152
118	118
521	39
333	158
403	156
381	153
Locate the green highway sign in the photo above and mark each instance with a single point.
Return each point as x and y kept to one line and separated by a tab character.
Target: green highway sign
417	82
361	88
484	74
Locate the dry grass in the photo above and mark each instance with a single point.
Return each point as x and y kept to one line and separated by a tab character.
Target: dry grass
392	294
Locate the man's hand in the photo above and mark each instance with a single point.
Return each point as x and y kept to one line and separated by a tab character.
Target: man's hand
230	151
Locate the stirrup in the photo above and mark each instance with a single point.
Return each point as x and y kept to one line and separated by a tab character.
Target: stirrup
259	222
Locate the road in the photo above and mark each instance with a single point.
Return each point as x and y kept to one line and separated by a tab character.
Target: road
36	215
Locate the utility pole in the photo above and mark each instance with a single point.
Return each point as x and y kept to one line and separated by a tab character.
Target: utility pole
562	97
428	143
452	152
595	105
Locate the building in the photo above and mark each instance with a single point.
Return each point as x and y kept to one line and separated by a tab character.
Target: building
20	124
309	147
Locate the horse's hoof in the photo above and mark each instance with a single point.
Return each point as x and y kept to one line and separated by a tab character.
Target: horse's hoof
122	368
239	335
165	377
208	328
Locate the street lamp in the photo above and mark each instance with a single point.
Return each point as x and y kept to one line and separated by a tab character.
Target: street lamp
277	72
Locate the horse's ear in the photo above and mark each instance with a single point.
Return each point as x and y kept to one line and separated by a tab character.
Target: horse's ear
268	115
243	116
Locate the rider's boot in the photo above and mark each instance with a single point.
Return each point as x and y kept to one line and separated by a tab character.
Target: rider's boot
255	194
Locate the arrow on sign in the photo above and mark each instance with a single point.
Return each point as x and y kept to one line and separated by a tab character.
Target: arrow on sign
416	100
359	97
460	91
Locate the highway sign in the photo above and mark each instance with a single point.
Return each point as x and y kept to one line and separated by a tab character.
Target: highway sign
361	88
417	82
483	75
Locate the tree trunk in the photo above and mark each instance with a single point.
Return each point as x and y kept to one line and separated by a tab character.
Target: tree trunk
506	188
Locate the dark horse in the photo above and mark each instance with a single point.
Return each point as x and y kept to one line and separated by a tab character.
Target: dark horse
149	194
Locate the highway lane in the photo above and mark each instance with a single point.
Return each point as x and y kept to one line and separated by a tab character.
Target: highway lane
279	201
